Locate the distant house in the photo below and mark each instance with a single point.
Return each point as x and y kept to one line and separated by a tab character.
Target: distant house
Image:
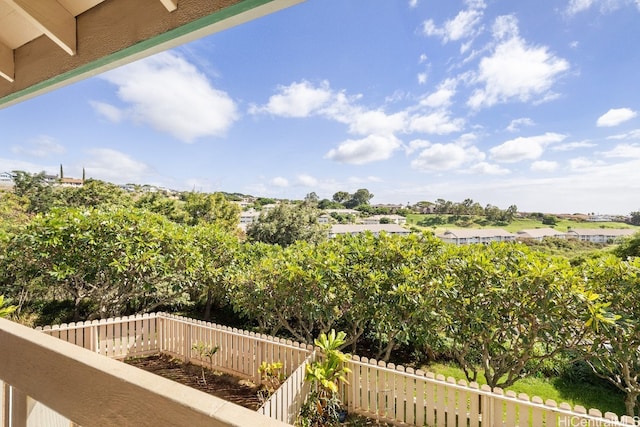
244	203
599	218
6	179
540	234
71	182
249	217
463	236
51	179
376	229
342	211
324	219
600	235
393	219
391	207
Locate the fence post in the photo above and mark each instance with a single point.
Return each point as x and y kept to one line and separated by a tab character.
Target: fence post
258	361
160	329
4	404
486	406
187	343
19	409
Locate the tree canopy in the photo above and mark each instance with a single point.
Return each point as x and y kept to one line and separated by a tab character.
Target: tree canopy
287	223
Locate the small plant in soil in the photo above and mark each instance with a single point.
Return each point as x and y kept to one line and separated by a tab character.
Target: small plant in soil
323	406
271	377
205	350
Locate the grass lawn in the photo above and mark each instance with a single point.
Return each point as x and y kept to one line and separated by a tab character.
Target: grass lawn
601	396
440	223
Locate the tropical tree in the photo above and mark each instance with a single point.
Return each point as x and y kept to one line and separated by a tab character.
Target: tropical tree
629	247
35	189
211	251
13	213
251	288
340	196
115	261
287	223
95	193
204	207
401	269
506	309
615	352
360	197
161	204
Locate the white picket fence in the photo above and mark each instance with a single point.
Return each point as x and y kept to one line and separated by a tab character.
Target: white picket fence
406	397
285	404
377	390
240	352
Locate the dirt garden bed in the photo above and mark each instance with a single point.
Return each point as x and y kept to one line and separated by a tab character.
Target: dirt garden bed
222	385
228	387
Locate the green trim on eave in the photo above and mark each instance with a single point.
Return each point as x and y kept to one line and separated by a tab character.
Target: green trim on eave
226	13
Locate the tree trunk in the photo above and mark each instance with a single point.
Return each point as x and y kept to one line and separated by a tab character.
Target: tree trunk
630	401
207	305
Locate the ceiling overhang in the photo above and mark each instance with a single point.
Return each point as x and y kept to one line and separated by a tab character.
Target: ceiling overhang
46	44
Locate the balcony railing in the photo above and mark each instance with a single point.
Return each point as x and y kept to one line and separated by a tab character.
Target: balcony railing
49	382
90	389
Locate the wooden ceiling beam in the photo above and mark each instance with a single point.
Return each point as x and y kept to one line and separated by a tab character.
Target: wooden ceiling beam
7	65
52	19
171	5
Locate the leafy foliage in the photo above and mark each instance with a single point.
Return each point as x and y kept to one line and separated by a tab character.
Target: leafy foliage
629	247
505	308
615	352
6	310
122	260
286	224
322	406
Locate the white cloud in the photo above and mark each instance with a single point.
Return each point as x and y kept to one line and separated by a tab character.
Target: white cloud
615	116
416	145
606	6
544	166
307	180
583	164
359	180
108	111
576	6
484	168
413	3
376	122
422	78
626	151
115	166
572	146
442	96
441	157
524	148
514	70
42	146
464	25
632	135
299	99
280	182
370	149
171	95
517	124
438	123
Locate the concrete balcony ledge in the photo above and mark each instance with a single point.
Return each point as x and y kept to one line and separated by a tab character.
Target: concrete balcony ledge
93	390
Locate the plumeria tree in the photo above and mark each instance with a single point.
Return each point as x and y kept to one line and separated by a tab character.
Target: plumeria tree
506	309
615	352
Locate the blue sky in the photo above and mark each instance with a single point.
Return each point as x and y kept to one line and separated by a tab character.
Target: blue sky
527	103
